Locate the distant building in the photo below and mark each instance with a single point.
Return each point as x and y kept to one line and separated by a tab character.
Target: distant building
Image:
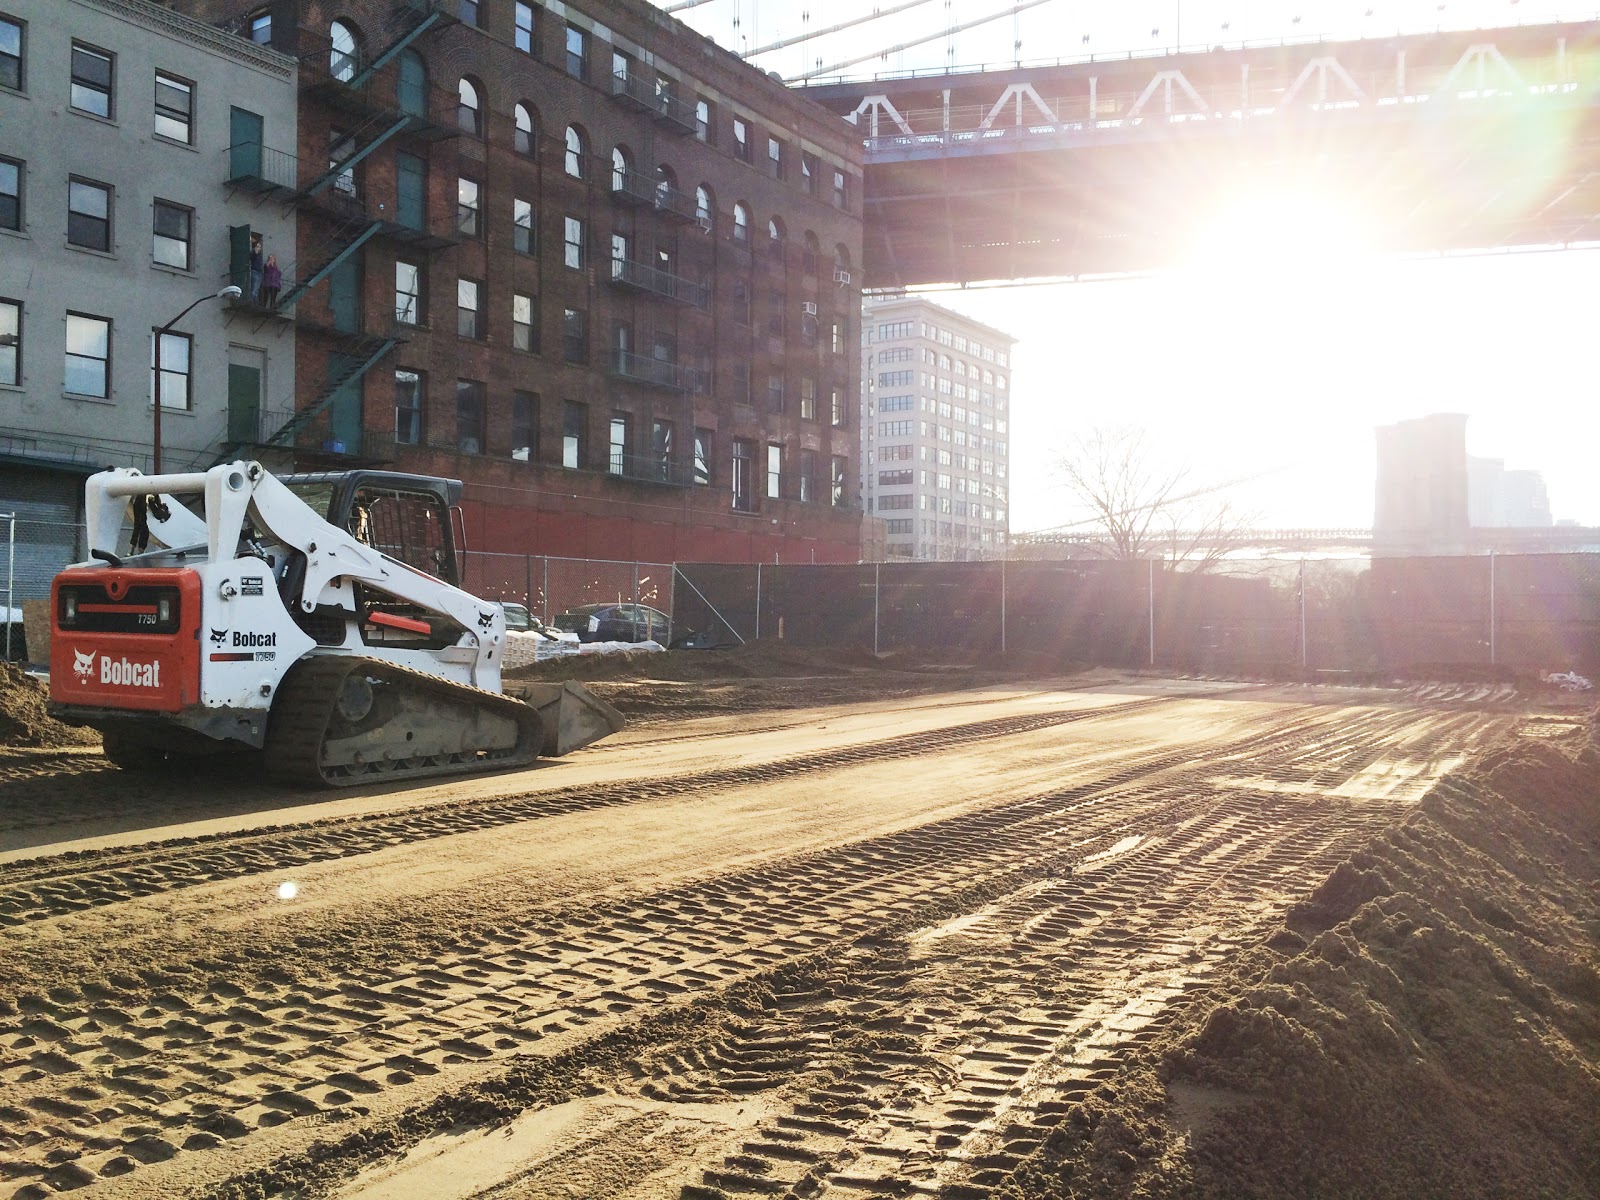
116	118
1502	499
935	430
1421	501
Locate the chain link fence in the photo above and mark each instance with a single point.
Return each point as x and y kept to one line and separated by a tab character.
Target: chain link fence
552	585
1481	614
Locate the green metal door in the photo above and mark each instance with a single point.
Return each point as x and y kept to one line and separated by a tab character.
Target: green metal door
344	413
239	258
244	144
409	189
244	403
344	295
411	89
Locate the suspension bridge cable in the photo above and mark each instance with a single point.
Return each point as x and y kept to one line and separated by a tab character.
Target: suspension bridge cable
683	4
850	62
853	21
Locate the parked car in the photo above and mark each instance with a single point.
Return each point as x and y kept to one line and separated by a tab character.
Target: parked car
616	623
520	619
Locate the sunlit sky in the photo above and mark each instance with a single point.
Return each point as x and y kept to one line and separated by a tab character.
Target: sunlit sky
1271	357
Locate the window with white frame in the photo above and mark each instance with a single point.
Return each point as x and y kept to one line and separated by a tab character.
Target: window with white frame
173	235
93	76
89	214
174	108
171	376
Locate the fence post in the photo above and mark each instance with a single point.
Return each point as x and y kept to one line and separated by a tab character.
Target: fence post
876	567
1302	614
1493	649
636	581
544	585
758	600
527	581
11	578
1002	606
1152	607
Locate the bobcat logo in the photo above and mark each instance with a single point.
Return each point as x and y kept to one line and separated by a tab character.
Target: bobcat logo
217	636
83	664
485	620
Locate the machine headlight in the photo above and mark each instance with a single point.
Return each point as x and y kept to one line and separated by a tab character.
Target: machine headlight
69	606
164	610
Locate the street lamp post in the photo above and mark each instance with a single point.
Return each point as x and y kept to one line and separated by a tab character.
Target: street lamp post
229	292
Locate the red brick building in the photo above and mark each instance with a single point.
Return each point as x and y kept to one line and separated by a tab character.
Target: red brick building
582	259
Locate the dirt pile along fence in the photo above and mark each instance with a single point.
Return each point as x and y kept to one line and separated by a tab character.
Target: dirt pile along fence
1491	614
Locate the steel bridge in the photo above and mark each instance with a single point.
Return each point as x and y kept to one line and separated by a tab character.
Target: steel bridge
1448	142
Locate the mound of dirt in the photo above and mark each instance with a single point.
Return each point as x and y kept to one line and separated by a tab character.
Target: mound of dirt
23	720
1427	1023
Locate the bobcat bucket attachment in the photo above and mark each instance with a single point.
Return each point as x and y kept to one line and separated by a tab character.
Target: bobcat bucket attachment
570	714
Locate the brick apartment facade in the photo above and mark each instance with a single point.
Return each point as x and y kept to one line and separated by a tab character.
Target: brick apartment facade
582	259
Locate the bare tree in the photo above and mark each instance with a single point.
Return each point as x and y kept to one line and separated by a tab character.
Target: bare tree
1140	509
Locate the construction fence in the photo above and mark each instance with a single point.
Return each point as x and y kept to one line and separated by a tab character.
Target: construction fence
551	585
1492	614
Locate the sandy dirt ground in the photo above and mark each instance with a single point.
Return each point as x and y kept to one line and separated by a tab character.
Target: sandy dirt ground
806	927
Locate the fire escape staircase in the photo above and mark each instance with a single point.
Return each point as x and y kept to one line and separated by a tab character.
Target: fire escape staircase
365	352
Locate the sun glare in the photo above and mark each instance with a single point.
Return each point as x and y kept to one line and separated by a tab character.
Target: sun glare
1278	232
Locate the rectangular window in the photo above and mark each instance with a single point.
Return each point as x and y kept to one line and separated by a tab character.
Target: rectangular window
836	496
575	335
261	29
341	149
10	342
89	215
10	53
407	293
88	355
702	457
808	399
469	308
574	434
775	157
573	243
525	28
808	475
775	393
469	416
808	173
524	332
92	73
407	407
525	426
839	196
743	490
173	369
522	240
469	213
894	502
703	128
577	53
10	194
835	407
175	108
617	461
896	478
174	234
467	11
774	472
741	140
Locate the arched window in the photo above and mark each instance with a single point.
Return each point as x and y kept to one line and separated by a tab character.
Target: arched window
741	222
469	111
342	56
811	255
411	85
527	130
775	231
705	206
620	168
574	161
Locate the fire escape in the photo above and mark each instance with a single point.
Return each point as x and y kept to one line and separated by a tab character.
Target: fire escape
327	194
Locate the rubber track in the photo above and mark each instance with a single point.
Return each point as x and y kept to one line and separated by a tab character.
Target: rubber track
198	1068
35	889
303	710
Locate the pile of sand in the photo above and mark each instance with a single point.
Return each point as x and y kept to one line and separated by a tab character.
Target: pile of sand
1427	1023
23	720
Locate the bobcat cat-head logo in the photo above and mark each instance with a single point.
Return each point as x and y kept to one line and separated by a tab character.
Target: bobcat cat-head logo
485	620
83	664
217	635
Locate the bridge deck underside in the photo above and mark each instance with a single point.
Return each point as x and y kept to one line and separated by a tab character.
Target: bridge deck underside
1419	180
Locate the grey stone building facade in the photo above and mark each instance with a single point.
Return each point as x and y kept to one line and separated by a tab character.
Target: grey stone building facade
115	126
935	431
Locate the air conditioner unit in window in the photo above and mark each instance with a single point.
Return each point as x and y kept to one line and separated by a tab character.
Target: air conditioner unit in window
842	278
809	307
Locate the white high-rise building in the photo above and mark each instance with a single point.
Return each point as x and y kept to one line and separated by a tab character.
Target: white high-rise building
935	430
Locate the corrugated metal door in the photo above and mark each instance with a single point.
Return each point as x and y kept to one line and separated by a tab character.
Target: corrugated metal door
48	505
